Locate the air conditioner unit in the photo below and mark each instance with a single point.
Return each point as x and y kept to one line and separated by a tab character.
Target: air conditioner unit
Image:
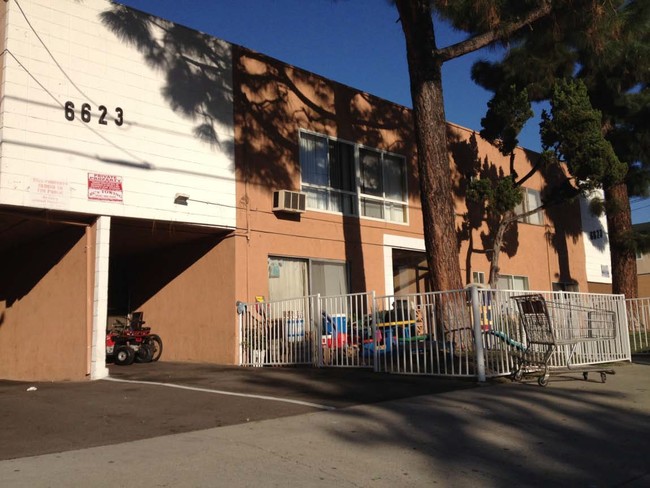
289	201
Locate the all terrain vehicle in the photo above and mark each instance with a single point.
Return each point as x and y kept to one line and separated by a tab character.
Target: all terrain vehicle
129	341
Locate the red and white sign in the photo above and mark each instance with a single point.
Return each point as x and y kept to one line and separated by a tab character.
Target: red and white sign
107	188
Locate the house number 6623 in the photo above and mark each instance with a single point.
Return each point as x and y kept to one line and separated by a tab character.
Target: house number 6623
86	113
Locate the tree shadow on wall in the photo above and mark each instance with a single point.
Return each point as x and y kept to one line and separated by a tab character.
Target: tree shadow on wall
24	266
135	278
558	196
197	68
563	212
274	100
271	101
465	155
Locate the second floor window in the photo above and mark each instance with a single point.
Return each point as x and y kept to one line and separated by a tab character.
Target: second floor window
532	200
512	282
329	178
328	175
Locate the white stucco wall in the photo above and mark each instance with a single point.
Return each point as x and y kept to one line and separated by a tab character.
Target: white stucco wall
596	239
134	169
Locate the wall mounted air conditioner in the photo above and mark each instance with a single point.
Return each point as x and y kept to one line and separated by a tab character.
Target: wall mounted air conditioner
289	201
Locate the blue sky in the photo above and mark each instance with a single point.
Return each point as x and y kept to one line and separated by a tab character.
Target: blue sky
355	42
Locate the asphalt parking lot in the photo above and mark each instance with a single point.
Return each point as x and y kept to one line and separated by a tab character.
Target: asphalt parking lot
150	400
308	427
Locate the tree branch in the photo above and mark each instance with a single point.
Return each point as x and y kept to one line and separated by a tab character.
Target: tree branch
532	171
481	40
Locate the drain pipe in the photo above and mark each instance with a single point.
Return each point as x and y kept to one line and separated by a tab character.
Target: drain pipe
478	334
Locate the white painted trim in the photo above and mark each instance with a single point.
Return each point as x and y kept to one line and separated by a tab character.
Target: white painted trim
400	242
98	367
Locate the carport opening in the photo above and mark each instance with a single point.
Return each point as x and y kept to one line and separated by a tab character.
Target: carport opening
32	242
145	256
182	277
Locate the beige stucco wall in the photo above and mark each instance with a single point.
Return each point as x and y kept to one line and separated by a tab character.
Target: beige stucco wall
643	264
594	287
644	285
274	101
44	317
194	313
547	253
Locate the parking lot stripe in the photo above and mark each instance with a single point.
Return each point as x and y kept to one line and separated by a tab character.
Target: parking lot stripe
221	392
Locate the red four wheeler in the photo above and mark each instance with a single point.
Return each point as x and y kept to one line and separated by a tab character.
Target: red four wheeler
133	342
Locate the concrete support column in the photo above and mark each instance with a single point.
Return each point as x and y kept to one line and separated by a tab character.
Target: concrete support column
98	367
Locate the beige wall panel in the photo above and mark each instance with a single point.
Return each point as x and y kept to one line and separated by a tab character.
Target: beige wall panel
195	313
594	287
644	285
43	319
643	264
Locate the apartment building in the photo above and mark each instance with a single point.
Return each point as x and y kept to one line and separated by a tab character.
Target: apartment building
147	166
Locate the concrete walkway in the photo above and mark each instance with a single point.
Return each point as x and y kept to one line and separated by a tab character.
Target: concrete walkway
572	433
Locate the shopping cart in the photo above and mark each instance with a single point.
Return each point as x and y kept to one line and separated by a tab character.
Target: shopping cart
552	326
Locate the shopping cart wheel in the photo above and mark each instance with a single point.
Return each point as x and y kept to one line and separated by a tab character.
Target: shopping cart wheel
518	375
603	377
543	380
585	375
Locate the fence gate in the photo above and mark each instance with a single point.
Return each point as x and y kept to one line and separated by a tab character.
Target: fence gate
278	333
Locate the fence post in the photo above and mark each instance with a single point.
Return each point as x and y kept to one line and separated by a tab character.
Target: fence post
241	308
373	331
623	327
318	332
478	334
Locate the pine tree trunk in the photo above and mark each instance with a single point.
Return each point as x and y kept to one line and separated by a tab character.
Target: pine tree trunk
619	224
438	212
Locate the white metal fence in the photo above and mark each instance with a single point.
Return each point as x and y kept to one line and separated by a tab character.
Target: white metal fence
570	313
472	332
638	315
277	333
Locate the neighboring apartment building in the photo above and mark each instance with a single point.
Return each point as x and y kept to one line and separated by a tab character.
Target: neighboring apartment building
138	169
596	240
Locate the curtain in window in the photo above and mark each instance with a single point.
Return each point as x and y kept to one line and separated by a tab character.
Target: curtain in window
329	178
371	179
519	283
533	201
329	279
394	184
287	278
315	169
313	160
510	282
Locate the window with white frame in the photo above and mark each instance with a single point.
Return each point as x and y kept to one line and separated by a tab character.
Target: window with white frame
328	173
478	277
298	277
329	169
512	282
532	200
